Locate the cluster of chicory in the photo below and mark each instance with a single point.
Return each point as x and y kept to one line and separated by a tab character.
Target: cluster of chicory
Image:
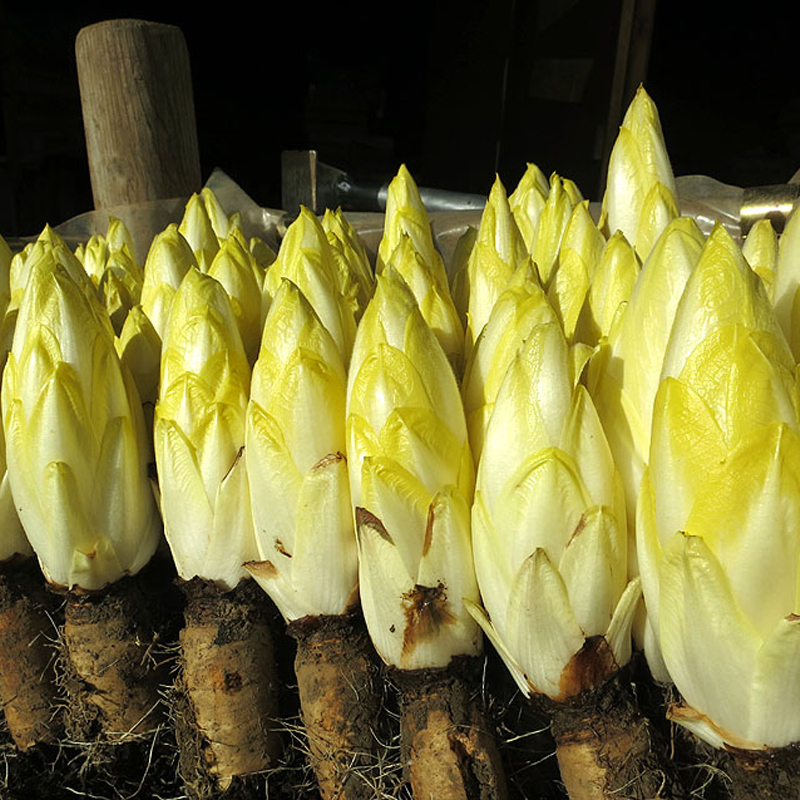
626	427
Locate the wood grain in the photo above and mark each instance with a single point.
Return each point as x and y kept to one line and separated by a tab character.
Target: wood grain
138	111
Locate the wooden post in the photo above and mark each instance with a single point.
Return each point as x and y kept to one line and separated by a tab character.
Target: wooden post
138	112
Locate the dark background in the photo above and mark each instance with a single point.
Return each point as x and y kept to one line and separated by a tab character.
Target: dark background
455	90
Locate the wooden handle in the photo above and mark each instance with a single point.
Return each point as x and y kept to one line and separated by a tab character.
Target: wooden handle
138	111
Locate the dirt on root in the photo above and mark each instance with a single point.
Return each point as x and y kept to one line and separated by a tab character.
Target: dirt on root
27	655
118	742
445	738
111	672
151	768
227	705
337	674
606	746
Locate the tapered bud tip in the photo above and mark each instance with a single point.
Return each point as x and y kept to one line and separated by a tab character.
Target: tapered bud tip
498	194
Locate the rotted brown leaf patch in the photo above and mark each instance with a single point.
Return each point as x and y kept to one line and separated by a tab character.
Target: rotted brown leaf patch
262	569
588	668
427	611
369	520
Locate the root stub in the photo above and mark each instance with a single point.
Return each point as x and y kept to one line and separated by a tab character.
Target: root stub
230	684
445	741
27	679
113	680
336	674
606	748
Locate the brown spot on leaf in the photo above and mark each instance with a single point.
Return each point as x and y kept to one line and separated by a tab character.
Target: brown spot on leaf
426	544
427	611
792	617
578	528
261	569
732	743
369	520
234	462
588	668
329	459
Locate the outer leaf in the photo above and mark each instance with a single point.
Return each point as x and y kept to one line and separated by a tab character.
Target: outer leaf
709	646
541	624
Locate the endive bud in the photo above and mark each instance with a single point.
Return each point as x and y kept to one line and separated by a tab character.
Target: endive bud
199	436
407	245
220	222
459	288
351	257
306	259
119	237
233	268
49	247
259	254
12	536
139	349
94	257
553	221
786	287
296	467
393	325
406	216
18	275
75	438
760	248
411	477
519	309
721	290
717	535
198	231
660	207
120	287
169	259
549	529
499	249
527	202
625	375
580	250
573	192
638	163
610	289
433	298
